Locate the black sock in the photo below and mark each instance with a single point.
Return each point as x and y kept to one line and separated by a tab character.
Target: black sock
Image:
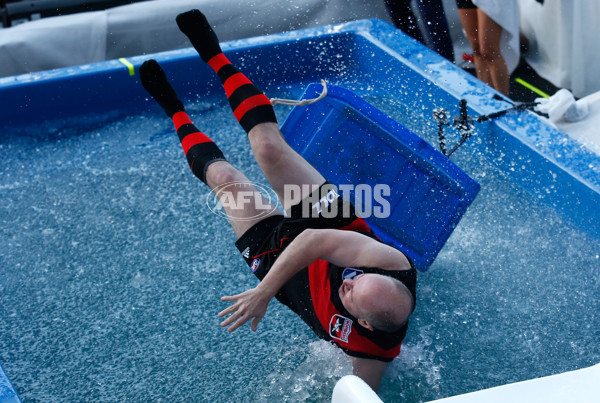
199	149
249	105
155	82
196	27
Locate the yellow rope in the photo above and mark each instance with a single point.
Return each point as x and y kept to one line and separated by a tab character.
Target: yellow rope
532	88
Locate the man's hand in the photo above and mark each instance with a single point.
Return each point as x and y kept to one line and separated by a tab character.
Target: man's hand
251	304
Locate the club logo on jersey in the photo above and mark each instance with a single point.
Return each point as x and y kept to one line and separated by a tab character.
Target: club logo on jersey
340	327
254	265
325	201
350	273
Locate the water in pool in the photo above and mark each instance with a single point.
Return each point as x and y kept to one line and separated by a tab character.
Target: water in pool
112	268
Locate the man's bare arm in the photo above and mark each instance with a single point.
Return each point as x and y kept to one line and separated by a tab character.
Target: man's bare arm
352	249
342	248
370	371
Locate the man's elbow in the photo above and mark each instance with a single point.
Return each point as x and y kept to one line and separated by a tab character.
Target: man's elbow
313	239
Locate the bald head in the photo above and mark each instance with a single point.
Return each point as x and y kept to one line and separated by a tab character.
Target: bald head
383	302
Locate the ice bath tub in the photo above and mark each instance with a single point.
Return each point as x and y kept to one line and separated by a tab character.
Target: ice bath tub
112	265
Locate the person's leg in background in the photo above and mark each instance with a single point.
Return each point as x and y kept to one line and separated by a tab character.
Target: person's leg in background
437	32
403	17
484	36
490	34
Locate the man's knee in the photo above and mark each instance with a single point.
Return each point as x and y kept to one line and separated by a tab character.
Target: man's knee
221	173
269	149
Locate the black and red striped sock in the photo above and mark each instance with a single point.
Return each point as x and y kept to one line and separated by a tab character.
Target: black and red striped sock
155	82
249	105
199	149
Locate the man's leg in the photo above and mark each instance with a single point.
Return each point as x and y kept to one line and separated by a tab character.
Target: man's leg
253	110
243	203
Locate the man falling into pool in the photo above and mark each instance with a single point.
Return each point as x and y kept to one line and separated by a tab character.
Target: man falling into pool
320	260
